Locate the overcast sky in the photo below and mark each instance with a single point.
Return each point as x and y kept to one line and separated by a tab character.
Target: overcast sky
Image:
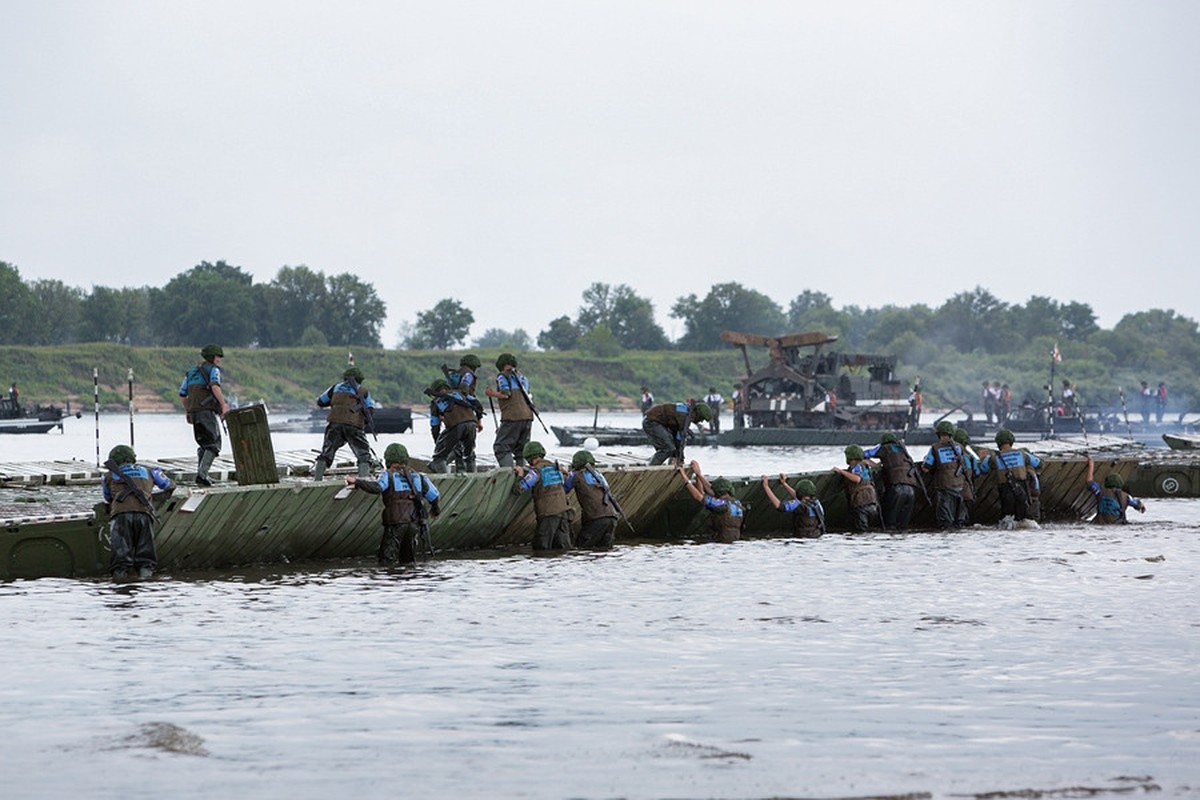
509	154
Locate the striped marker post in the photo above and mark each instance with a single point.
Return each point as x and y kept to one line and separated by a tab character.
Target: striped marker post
96	399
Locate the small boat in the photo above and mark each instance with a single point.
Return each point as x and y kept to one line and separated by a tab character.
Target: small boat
577	435
397	419
1182	441
14	418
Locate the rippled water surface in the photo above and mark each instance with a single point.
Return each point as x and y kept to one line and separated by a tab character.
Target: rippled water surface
847	666
1051	663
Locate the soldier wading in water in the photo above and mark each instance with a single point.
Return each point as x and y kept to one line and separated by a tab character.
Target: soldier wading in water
403	514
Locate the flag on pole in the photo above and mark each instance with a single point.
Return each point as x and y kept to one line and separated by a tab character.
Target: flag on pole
1054	354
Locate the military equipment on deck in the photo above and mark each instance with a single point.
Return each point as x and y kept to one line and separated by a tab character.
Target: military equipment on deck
806	386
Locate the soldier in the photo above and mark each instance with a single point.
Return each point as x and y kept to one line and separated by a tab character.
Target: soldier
350	406
403	514
127	488
205	405
728	513
666	425
901	479
1113	498
545	479
595	501
860	490
516	411
945	463
461	417
808	515
1016	473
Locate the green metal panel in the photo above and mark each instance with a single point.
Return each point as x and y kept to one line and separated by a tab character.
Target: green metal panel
69	546
250	439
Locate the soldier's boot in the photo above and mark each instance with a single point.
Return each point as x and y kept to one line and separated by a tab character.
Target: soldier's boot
364	469
319	470
470	465
206	459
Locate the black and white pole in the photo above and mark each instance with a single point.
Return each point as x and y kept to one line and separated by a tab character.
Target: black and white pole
96	398
131	406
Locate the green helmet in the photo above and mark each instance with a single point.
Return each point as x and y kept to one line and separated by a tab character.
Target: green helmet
123	454
353	372
469	361
1005	436
722	486
702	412
889	438
854	452
438	385
533	450
505	359
1114	481
944	427
395	454
580	458
961	436
806	488
211	351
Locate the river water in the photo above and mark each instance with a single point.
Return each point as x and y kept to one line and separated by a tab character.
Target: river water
1061	662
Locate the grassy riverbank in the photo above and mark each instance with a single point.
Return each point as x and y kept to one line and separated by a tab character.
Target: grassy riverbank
293	377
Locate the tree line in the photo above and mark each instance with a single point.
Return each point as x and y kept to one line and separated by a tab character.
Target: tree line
211	302
970	337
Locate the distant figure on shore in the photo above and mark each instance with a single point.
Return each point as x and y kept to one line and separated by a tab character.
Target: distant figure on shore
714	401
914	406
14	396
1113	498
739	406
205	405
1147	400
1070	402
1004	407
127	488
647	399
1160	401
989	402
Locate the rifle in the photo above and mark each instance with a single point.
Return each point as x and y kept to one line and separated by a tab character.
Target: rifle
114	470
608	495
422	514
368	413
529	400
